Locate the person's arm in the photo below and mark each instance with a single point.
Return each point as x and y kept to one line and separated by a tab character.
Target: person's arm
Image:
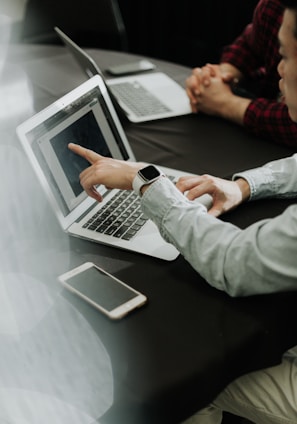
258	43
275	179
262	117
253	54
258	46
270	119
217	98
201	77
240	53
226	195
266	118
259	259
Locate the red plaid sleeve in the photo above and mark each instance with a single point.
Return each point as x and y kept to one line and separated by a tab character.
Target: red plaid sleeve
255	53
271	120
257	47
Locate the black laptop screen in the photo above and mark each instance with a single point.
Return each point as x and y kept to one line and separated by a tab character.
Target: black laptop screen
86	132
86	122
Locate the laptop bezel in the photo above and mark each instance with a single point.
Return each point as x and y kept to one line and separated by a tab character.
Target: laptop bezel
26	127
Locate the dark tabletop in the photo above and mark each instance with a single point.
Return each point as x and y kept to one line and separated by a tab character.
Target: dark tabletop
173	356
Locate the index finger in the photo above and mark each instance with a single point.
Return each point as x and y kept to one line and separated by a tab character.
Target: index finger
87	154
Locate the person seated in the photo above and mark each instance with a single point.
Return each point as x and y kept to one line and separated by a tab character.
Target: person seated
244	88
256	260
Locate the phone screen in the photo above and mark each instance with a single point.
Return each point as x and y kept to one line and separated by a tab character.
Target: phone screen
131	68
101	288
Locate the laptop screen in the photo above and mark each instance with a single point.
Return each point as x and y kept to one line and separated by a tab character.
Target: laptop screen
87	122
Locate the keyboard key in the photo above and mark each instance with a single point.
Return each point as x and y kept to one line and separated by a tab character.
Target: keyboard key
139	99
121	217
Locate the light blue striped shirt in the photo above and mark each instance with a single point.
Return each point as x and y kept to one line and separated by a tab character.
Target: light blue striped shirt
259	259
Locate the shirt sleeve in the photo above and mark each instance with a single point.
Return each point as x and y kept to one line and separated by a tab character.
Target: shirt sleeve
275	179
258	259
271	119
255	54
246	52
256	49
241	53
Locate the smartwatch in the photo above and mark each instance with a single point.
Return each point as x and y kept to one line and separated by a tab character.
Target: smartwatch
146	176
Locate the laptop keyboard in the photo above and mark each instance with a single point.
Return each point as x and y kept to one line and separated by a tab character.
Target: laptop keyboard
120	217
139	99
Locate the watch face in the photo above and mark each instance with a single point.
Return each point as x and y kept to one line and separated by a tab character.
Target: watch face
149	172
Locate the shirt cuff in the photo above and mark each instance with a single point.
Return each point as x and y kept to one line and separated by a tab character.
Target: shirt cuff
260	180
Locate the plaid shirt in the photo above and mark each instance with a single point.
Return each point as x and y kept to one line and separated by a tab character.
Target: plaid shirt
255	54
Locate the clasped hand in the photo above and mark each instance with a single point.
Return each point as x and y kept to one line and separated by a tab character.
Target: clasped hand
209	89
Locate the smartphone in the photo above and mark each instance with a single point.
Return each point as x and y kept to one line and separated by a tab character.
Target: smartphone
105	292
131	68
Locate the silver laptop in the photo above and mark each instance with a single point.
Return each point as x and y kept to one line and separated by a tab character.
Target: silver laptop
141	97
86	116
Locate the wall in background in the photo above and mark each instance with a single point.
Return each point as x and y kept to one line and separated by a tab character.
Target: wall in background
13	8
191	32
11	13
